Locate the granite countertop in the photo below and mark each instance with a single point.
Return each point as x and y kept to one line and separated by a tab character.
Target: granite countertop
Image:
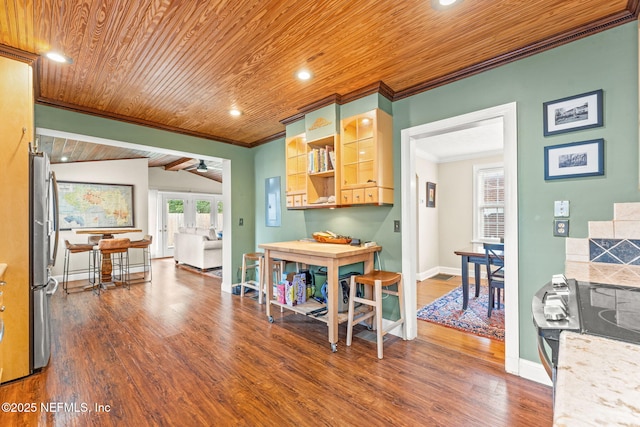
597	383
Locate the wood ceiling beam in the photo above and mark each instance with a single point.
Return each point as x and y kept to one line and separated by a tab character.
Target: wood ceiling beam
179	164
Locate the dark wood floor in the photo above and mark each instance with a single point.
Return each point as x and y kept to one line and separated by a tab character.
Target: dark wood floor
181	352
469	344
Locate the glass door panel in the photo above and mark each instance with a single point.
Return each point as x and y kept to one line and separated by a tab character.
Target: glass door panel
204	218
366	150
173	218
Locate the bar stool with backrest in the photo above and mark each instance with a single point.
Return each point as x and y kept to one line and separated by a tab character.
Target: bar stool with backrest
118	251
379	282
255	261
146	257
74	248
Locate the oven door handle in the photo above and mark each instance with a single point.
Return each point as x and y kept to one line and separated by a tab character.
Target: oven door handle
544	357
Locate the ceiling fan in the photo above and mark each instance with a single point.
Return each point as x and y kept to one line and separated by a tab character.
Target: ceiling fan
200	167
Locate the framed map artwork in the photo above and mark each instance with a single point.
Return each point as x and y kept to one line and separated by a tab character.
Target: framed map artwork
92	205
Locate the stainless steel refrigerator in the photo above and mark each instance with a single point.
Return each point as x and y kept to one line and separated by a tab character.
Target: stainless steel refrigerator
43	209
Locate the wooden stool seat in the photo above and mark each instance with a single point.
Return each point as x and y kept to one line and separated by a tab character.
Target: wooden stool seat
386	278
76	248
378	281
257	260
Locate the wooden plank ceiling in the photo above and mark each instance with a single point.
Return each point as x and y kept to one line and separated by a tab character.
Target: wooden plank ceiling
63	150
181	65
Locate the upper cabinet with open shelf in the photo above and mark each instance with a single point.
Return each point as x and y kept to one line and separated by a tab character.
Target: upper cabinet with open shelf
354	167
366	159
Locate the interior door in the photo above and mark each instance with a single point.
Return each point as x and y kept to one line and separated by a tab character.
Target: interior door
173	217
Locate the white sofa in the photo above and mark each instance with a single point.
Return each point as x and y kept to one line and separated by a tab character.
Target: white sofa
198	247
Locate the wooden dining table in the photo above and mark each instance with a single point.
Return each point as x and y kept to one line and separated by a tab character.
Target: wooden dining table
106	269
472	254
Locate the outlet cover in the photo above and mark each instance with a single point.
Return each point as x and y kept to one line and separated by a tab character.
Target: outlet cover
561	228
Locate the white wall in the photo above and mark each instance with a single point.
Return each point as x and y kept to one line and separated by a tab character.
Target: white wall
160	179
131	172
455	205
428	222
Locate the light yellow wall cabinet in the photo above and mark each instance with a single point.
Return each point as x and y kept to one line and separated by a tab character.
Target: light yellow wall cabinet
366	156
296	152
16	123
354	168
311	175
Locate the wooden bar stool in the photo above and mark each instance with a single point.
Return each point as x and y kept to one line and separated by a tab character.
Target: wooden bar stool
111	260
143	244
379	281
74	248
253	260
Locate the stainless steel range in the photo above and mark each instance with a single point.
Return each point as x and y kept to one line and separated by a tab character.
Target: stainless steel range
611	311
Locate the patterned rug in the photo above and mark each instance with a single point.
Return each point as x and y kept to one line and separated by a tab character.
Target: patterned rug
447	311
213	272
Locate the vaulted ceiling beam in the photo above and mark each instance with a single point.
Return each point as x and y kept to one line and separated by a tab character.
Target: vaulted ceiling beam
181	163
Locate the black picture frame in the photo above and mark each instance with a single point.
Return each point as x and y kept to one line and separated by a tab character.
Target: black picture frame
573	113
574	160
431	194
80	205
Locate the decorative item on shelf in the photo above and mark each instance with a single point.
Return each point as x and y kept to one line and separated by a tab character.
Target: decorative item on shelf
330	237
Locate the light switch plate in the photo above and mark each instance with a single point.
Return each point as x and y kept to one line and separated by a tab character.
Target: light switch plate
561	209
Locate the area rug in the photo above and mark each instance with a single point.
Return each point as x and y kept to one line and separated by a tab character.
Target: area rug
447	311
212	272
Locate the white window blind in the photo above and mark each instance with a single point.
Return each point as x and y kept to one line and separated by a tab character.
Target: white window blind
489	203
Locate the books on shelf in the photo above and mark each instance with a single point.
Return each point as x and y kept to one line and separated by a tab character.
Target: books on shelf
321	159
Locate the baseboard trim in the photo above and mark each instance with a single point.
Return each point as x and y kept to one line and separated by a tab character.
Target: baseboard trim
85	276
535	372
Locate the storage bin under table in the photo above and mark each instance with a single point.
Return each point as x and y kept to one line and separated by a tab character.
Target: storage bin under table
329	255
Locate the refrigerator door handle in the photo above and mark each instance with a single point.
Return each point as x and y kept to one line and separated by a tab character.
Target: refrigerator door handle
55	288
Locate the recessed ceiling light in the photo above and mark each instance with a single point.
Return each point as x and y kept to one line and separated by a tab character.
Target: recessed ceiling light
58	57
304	75
442	4
64	159
235	112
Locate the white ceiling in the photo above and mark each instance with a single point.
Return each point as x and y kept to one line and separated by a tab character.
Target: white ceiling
479	139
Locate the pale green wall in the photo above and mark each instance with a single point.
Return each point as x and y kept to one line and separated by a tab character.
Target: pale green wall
242	179
605	61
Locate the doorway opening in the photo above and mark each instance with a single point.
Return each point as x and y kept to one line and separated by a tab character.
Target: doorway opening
153	226
411	139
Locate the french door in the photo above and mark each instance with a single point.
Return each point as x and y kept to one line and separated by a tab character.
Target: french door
185	210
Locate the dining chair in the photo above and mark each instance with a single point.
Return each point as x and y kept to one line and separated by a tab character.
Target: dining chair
494	260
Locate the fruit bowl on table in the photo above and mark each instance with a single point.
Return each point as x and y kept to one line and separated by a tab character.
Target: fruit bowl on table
325	238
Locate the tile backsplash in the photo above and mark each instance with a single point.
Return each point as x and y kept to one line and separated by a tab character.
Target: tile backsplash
615	251
611	252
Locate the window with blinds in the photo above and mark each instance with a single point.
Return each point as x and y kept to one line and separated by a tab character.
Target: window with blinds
489	203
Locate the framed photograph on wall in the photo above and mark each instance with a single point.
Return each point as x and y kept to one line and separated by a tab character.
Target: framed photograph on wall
576	112
574	160
431	194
